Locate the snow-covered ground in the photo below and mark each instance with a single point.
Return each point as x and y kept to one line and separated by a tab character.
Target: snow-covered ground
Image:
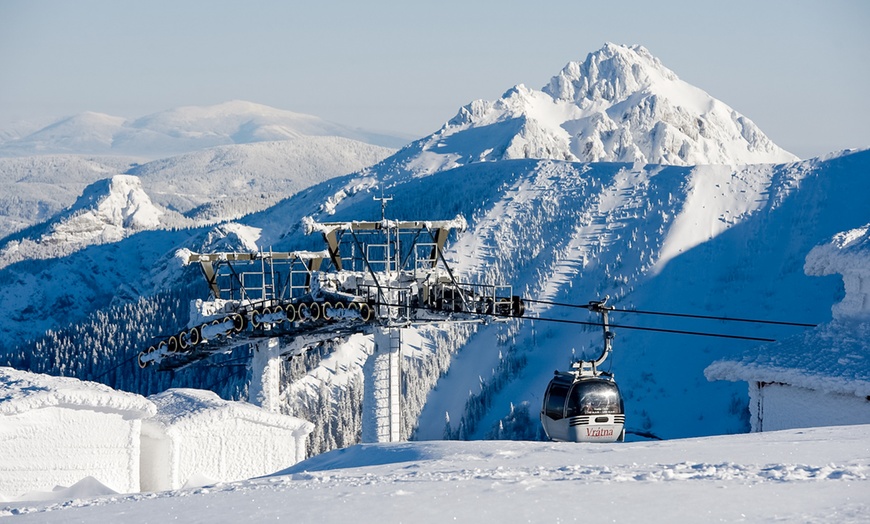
808	475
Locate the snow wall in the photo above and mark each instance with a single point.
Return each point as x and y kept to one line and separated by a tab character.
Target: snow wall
58	446
196	435
779	406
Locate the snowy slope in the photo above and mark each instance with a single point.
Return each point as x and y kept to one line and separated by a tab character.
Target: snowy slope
710	240
224	161
619	105
87	132
108	211
747	266
227	182
180	130
211	185
833	357
34	188
49	294
813	475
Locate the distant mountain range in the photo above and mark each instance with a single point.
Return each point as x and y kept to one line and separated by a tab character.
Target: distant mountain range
206	186
180	130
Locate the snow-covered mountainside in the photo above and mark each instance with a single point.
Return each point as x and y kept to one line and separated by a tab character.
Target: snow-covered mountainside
35	188
619	105
211	185
180	130
713	240
227	182
108	211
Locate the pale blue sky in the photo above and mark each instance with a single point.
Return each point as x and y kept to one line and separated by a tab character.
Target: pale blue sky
799	69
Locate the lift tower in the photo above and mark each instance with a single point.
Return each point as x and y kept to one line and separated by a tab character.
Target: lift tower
373	277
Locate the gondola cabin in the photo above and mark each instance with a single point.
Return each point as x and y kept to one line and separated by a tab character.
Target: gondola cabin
581	408
584	404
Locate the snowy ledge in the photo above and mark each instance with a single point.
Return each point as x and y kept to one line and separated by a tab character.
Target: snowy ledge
751	372
832	358
848	253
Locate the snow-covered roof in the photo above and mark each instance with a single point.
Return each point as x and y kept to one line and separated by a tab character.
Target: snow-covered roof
22	391
180	408
833	358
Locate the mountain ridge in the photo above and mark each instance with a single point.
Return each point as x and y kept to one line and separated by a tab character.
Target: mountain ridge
209	185
181	130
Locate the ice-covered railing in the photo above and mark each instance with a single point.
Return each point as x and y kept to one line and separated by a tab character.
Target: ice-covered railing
279	274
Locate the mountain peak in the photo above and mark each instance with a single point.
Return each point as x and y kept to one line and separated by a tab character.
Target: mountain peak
108	210
118	202
611	73
620	104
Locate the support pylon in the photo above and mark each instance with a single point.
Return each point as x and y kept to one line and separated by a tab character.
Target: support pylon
266	375
381	420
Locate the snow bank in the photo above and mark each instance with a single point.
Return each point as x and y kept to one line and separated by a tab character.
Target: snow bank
812	475
88	487
197	434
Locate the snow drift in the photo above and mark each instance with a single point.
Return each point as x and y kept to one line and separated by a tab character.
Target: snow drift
814	475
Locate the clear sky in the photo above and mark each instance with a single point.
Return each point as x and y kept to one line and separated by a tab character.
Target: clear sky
799	69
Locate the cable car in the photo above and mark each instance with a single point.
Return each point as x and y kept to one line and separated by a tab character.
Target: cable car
584	404
581	408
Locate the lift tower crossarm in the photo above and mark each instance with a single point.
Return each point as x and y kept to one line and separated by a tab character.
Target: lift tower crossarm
207	261
331	230
256	255
457	223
